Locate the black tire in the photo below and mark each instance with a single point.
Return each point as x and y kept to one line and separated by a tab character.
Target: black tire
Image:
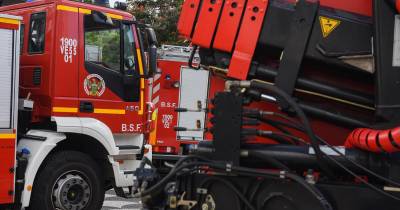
64	167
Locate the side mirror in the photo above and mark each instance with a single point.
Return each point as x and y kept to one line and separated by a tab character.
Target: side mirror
129	63
101	18
151	36
152	60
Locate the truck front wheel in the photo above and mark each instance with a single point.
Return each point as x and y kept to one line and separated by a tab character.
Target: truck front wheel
68	180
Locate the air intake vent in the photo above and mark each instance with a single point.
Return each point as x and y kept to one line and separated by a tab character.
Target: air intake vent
37	76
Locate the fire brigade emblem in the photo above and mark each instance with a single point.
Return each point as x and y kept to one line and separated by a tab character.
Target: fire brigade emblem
94	85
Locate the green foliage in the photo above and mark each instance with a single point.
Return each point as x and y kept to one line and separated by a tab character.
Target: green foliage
163	15
108	42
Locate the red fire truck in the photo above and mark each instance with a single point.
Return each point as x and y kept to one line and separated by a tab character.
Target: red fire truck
83	113
308	117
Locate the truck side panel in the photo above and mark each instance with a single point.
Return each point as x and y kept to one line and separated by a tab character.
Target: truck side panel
7	157
65	56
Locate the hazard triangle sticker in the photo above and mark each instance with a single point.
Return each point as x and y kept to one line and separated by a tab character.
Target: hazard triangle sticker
328	25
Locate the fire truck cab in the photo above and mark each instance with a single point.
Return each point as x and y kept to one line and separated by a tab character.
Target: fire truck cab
84	117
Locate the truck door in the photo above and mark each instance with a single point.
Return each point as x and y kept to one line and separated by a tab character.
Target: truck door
109	76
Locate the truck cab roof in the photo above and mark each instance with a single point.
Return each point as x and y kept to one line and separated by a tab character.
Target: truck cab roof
22	4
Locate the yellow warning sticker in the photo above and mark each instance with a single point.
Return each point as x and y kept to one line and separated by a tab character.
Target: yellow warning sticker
328	25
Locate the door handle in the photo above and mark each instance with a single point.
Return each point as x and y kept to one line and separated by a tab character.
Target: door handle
86	106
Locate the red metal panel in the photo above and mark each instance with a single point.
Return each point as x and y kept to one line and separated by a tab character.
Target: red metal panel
229	25
7	157
398	5
247	39
188	17
9	26
361	7
65	58
207	23
165	99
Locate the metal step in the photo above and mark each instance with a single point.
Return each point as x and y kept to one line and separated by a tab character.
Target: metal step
128	147
129	172
119	191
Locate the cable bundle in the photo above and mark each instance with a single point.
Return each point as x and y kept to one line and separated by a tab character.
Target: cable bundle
375	140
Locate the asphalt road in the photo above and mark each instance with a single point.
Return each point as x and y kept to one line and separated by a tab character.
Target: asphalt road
111	201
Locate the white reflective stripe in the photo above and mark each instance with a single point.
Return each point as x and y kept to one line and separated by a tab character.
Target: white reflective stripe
396	42
6	77
156	88
156	100
156	77
329	151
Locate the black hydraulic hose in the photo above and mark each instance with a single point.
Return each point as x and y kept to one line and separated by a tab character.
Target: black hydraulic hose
241	170
253	194
284	117
262	115
276	125
296	139
286	124
264	72
301	157
279	139
373	187
355	163
304	120
282	174
320	113
397	184
339	119
178	167
274	135
270	160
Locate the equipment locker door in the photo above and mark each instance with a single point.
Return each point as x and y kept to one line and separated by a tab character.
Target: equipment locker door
193	96
9	69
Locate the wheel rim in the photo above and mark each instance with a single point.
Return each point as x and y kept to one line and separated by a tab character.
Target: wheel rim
71	191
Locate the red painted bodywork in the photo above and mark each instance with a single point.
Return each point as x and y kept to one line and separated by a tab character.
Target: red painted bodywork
246	42
9	26
188	17
229	25
7	157
398	5
207	23
168	101
62	84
